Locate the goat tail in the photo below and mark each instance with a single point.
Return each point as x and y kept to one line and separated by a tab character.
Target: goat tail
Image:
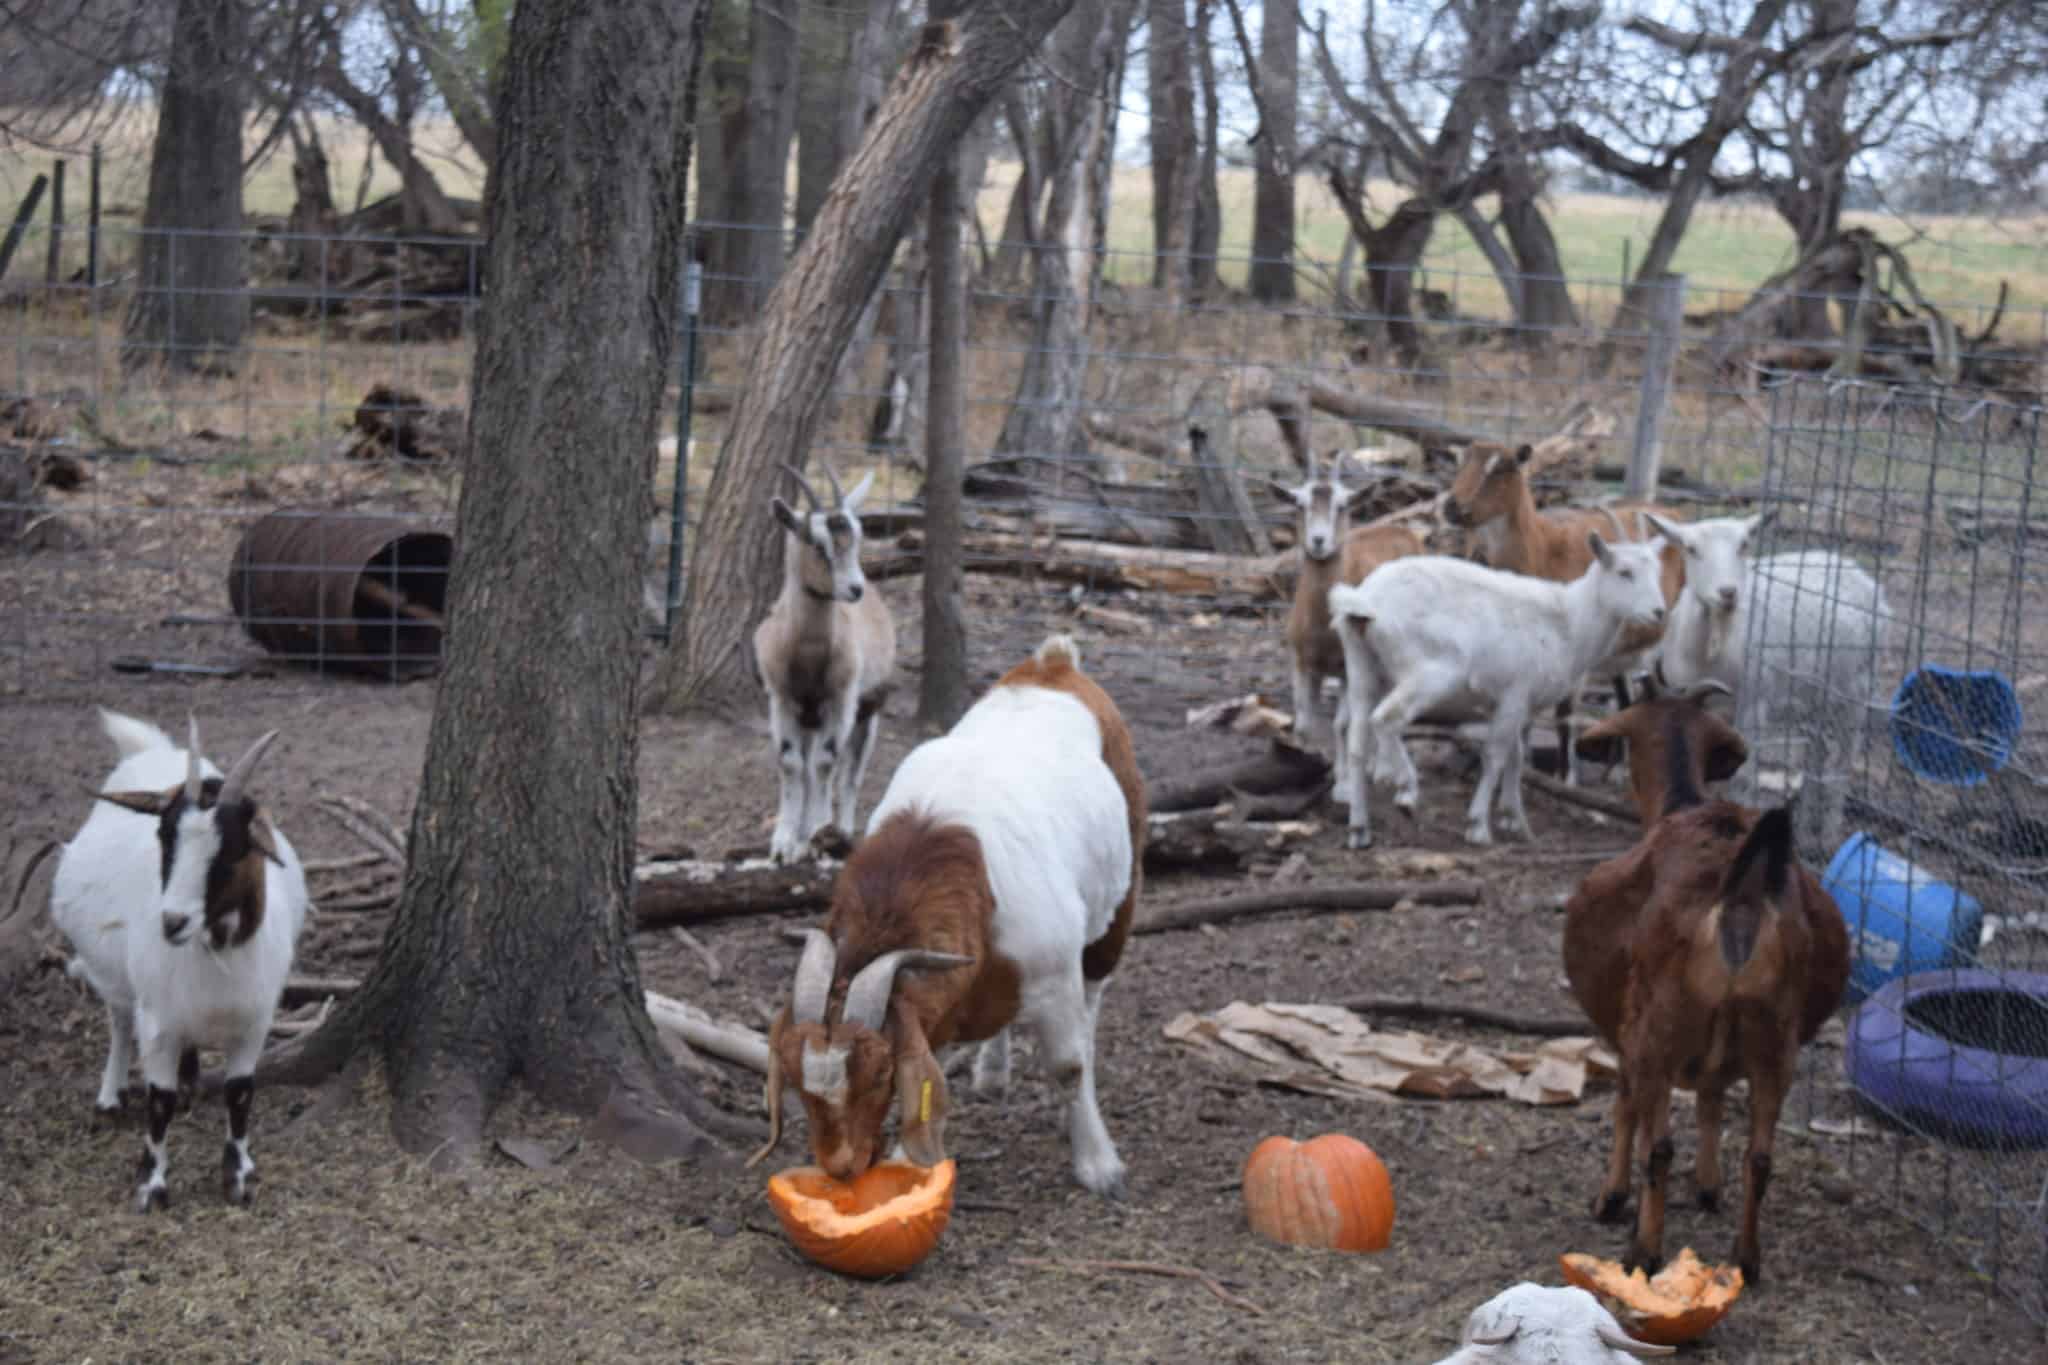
1755	883
1059	649
27	875
1741	925
132	736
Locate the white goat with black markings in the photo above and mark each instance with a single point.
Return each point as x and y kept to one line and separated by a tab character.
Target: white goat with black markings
1816	622
1534	1325
1435	635
826	653
183	906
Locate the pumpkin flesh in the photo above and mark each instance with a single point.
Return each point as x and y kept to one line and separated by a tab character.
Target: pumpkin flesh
1331	1191
882	1222
1678	1304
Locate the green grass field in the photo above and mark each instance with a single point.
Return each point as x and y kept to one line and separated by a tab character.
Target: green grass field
1732	247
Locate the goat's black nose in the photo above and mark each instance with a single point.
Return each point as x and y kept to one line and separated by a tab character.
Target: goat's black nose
174	925
853	594
1727	597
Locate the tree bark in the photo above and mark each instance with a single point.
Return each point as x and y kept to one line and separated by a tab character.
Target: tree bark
942	696
840	85
721	126
761	170
425	204
1272	268
1206	235
1171	79
953	72
508	956
189	308
1045	412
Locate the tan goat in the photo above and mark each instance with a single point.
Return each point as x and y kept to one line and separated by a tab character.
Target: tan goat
826	653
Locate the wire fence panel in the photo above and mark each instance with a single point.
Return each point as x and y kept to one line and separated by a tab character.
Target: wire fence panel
1899	641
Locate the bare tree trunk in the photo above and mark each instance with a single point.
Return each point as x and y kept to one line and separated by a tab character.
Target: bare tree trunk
1272	269
425	205
1393	253
189	309
1546	293
955	69
841	76
1045	413
1033	139
721	128
761	172
316	259
1206	238
508	956
942	698
1171	78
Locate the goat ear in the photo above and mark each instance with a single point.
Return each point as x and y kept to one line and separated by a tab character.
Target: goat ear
791	522
142	803
1524	453
1763	864
1759	521
921	1107
264	838
1294	495
1727	751
1663	528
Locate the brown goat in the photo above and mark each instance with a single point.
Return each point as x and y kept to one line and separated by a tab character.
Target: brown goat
1006	856
1704	955
1491	498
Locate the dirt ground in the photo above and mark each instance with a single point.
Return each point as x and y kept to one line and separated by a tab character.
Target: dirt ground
355	1251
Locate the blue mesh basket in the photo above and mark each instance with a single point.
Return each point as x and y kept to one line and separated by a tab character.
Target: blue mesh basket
1953	725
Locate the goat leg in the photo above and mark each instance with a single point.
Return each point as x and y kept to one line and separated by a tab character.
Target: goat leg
1612	1201
1707	1170
1767	1084
1653	1117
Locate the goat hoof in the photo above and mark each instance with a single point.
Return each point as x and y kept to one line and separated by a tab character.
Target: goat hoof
1709	1197
1649	1262
1356	840
1752	1270
150	1198
1609	1206
1478	836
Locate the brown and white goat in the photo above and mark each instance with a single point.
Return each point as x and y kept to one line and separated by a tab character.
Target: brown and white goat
1491	497
1002	865
1705	955
1330	554
826	653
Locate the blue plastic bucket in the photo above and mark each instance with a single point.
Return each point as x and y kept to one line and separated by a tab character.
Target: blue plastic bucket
1901	919
1954	725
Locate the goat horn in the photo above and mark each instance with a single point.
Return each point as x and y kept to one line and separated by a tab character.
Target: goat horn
238	776
813	976
1628	1345
1707	687
810	494
838	493
773	1091
192	760
867	996
1497	1336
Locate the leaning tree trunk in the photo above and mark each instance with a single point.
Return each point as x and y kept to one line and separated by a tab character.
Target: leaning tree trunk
1546	294
508	956
955	69
1393	254
189	308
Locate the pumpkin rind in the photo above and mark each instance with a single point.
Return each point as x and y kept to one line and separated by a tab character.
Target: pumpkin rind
882	1222
1331	1191
1681	1303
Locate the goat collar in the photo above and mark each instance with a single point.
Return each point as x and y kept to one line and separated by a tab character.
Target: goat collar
817	596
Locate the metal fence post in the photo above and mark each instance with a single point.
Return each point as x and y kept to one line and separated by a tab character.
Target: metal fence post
693	298
1666	315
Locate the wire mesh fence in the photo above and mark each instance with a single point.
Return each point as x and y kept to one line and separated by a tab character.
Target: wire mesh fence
1898	633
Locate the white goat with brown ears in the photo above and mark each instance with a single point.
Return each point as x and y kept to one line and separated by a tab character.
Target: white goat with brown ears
826	653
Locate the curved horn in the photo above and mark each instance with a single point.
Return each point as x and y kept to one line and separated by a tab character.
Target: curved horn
867	996
1656	685
238	776
838	493
1704	688
810	494
192	760
813	976
1498	1335
1618	1340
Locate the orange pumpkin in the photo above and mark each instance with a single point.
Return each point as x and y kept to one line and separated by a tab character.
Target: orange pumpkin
1331	1191
1679	1303
882	1222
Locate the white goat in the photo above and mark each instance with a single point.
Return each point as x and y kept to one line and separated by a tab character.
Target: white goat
1432	634
183	905
826	653
1816	621
1330	554
1003	865
1533	1325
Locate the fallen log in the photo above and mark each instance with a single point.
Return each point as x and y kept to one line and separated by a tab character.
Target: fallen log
696	891
1220	837
1099	564
1580	796
1282	768
731	1042
1349	896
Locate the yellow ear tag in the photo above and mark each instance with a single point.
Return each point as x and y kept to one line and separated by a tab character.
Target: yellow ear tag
924	1104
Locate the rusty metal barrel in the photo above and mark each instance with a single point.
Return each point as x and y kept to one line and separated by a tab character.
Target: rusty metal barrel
353	592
